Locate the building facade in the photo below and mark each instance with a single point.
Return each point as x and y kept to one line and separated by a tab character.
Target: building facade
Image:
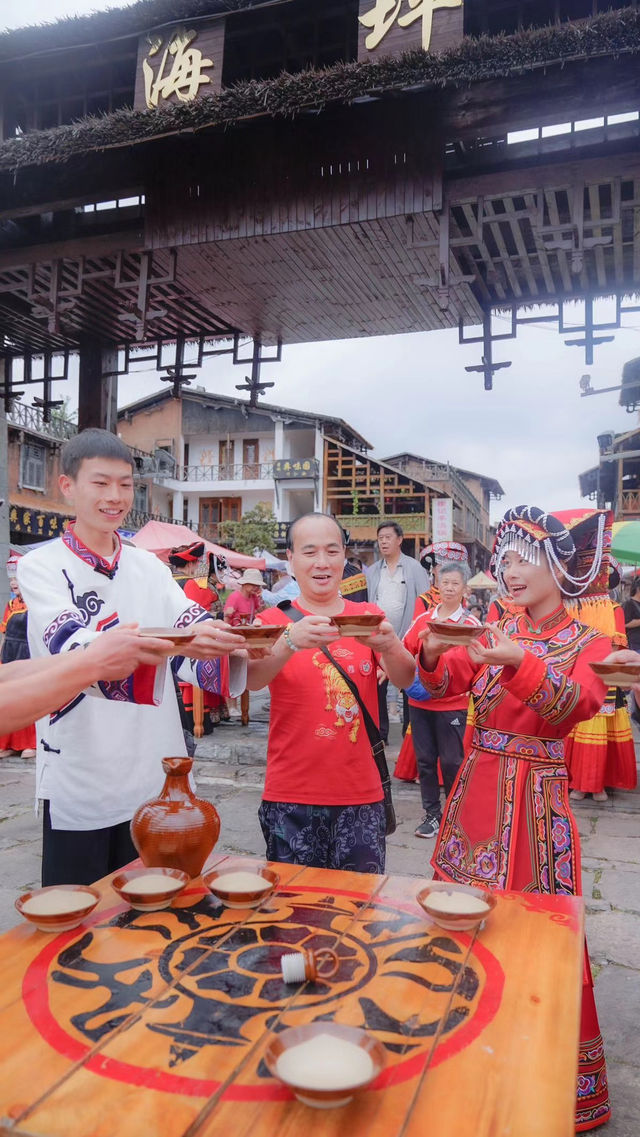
37	509
217	457
615	482
471	495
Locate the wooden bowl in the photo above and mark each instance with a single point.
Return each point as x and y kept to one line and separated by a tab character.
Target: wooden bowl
358	624
458	634
176	635
231	897
59	921
130	885
306	1087
259	635
450	919
617	674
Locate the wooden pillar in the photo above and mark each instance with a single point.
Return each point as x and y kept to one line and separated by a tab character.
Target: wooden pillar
198	712
97	389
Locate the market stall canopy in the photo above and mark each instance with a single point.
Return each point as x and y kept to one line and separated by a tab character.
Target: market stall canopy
272	563
160	537
482	580
625	544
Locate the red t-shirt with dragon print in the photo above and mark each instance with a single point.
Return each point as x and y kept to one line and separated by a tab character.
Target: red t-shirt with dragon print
318	751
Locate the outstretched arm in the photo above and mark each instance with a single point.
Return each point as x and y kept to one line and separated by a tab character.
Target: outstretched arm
32	688
562	698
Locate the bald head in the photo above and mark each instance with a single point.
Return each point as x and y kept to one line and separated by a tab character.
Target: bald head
307	522
317	555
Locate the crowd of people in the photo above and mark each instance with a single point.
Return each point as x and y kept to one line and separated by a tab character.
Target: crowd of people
497	732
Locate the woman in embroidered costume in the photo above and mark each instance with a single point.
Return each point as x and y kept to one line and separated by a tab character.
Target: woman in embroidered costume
433	557
13	633
507	823
184	561
600	752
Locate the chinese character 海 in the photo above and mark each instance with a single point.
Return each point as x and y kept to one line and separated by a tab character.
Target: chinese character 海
186	75
384	14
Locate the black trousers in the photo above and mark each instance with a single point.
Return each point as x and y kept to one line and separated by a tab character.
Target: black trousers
437	734
383	711
80	856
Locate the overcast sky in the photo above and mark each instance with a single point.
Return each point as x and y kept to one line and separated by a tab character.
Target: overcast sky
533	432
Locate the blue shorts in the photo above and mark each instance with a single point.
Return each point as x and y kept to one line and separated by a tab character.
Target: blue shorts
349	837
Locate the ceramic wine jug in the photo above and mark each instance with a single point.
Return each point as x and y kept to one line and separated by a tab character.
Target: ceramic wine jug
176	830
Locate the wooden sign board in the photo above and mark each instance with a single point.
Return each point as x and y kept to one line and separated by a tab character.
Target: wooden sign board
391	27
179	64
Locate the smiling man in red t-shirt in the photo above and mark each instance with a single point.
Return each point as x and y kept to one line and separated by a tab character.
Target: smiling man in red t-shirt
322	802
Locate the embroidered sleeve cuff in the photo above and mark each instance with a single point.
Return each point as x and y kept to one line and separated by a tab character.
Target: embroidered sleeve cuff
145	686
528	678
436	681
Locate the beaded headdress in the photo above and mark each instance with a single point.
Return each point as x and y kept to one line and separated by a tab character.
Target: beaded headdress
574	543
442	553
186	554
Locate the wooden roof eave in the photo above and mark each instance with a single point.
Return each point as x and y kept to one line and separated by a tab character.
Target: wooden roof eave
503	57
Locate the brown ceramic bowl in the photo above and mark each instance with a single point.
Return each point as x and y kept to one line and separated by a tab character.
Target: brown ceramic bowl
308	1092
231	897
130	885
458	634
617	674
358	624
176	635
60	921
450	919
257	635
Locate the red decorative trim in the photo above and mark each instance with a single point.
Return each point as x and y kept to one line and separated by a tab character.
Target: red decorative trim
35	996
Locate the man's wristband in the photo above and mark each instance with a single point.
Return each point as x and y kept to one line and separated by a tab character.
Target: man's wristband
287	638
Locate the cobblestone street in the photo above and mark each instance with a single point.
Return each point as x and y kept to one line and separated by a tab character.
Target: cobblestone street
229	769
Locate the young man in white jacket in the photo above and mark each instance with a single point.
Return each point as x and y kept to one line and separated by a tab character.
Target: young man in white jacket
99	755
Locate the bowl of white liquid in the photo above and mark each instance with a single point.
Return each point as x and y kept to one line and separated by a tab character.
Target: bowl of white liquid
456	907
58	907
323	1063
149	889
242	887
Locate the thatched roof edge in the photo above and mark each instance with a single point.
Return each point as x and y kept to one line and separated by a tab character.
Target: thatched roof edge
472	61
70	31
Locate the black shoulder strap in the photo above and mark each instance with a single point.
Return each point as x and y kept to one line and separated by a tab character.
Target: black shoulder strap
375	739
371	728
287	607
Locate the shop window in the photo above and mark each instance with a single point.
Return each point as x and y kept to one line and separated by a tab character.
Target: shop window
33	466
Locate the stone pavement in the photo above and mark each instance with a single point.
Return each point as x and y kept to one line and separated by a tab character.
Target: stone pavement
230	767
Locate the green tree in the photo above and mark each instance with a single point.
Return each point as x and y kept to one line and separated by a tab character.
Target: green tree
64	413
256	529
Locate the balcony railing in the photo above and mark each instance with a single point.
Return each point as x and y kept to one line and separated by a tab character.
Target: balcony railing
136	518
32	418
227	472
410	522
629	503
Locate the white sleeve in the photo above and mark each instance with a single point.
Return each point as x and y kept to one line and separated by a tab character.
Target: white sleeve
55	624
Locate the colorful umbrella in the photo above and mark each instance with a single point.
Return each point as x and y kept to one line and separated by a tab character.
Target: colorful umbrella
625	545
482	580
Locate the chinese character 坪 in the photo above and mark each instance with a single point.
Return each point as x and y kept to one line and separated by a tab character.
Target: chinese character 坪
186	74
384	14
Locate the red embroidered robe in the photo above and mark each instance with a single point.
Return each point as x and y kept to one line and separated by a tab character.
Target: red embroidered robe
507	823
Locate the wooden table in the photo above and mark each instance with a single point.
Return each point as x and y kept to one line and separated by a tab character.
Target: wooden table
141	1024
